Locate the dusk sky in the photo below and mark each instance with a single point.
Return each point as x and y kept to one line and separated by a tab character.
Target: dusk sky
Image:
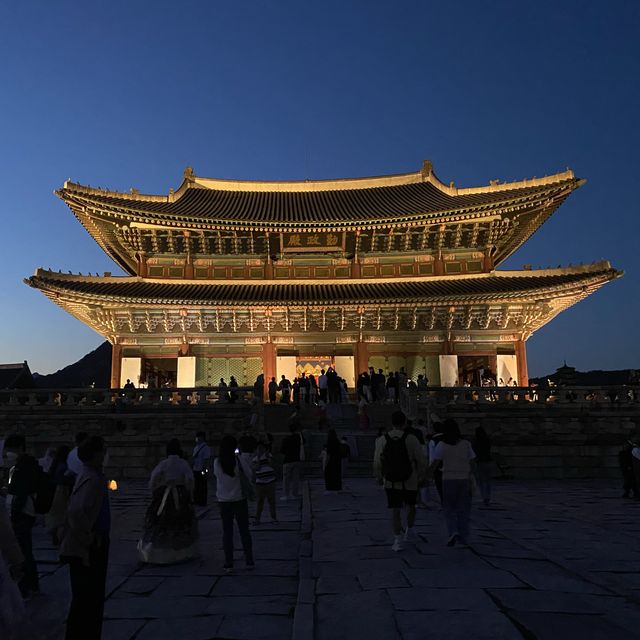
127	94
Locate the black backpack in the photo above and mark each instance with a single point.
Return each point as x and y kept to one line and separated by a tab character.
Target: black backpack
396	464
28	479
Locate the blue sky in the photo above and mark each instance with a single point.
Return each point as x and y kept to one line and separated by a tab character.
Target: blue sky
126	94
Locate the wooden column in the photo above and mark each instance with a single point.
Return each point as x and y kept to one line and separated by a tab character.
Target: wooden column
268	270
142	265
355	268
521	359
488	261
362	358
438	265
268	363
116	354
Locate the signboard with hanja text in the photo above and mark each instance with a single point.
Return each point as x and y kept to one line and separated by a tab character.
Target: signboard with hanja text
311	242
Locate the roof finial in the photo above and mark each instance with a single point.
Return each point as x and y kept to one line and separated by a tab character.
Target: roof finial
427	168
188	173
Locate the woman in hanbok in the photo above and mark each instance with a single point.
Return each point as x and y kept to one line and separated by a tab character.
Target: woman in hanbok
170	527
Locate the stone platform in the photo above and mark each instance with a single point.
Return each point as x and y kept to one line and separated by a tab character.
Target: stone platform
549	560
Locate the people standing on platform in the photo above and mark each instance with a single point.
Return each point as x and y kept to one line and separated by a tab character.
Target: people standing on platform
273	390
231	473
381	391
422	385
233	385
399	463
333	386
332	463
265	479
322	386
484	464
85	544
313	389
25	476
372	384
303	383
201	460
258	389
170	531
455	455
295	389
285	390
223	394
392	388
294	454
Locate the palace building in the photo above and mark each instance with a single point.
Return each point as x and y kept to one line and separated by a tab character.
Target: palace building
239	278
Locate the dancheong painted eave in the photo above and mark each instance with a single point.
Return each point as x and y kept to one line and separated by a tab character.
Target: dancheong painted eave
494	287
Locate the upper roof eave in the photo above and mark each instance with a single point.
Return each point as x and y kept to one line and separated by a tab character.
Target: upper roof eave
300	186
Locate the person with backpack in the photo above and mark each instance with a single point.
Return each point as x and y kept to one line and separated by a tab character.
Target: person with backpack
455	456
26	479
400	464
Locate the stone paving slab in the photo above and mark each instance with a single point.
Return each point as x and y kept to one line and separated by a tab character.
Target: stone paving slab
555	601
369	614
200	628
557	557
560	626
444	577
256	605
263	627
432	599
249	585
489	625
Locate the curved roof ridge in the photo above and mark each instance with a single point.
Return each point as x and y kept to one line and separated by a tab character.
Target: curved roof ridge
426	174
130	195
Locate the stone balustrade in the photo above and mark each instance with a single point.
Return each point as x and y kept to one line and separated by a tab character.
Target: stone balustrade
125	399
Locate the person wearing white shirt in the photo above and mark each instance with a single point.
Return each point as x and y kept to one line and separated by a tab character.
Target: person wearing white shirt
231	473
455	456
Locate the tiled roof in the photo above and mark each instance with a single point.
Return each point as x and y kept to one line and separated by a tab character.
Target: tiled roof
145	291
339	205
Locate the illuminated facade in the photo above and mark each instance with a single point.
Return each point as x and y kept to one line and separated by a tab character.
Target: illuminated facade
239	278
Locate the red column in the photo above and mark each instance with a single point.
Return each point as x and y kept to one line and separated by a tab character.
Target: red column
362	358
521	359
268	362
116	354
488	261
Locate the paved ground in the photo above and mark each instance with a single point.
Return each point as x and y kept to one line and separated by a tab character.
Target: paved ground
548	560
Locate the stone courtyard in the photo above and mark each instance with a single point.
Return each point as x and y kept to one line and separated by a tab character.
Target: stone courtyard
548	560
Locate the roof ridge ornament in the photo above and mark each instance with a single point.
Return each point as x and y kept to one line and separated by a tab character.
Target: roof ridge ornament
427	169
188	174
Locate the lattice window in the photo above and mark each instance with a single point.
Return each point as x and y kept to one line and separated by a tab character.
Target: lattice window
253	368
378	362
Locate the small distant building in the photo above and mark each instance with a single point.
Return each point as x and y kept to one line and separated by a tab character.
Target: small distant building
16	376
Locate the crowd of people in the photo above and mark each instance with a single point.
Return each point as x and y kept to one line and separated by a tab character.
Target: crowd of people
69	488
